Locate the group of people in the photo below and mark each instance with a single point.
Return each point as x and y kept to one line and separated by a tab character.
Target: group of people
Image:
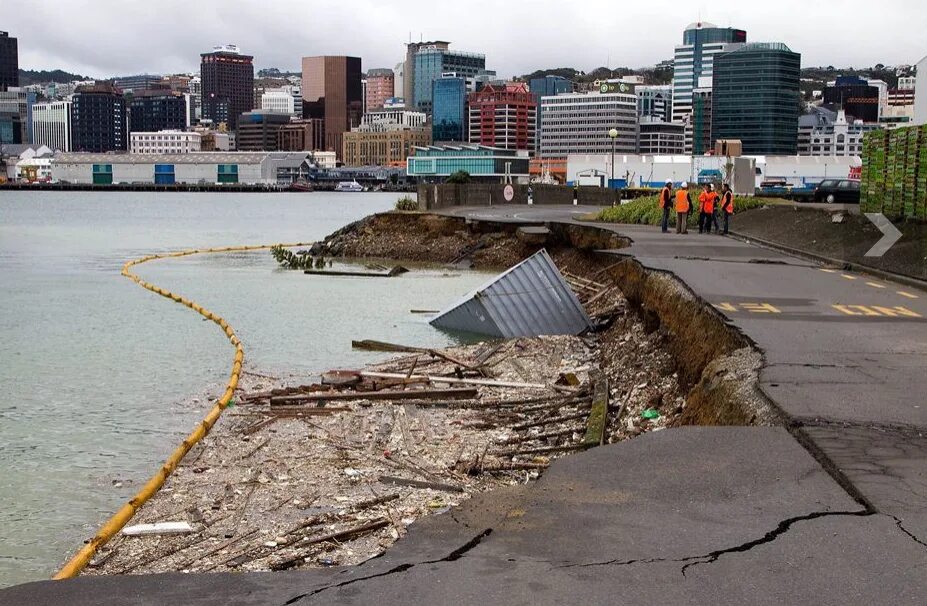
709	203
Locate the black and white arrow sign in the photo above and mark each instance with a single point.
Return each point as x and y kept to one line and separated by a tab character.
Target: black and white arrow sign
890	235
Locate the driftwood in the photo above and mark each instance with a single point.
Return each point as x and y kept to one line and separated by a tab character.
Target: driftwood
341	535
420	484
435	379
411	394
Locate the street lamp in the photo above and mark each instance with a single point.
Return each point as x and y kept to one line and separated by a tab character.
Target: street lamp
613	133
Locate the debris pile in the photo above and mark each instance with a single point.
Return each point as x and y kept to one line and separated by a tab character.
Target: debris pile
333	473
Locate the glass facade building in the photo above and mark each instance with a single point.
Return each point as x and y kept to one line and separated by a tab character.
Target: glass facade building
441	161
98	119
432	63
755	98
9	61
449	110
547	86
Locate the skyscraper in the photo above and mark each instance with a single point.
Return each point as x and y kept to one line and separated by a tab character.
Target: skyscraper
449	111
693	64
379	88
408	71
9	62
431	63
332	93
755	98
227	84
547	86
51	125
98	119
157	109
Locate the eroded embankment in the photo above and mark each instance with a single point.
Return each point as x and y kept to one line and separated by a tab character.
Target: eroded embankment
715	365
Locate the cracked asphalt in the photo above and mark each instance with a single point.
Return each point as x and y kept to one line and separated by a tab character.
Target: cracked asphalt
832	510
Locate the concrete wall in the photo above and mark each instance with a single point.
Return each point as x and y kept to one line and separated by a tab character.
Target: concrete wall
447	195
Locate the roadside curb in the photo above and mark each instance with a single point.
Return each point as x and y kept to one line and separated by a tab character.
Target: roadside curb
848	265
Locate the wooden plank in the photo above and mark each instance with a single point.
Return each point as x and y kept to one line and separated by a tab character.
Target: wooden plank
408	394
598	415
434	379
420	484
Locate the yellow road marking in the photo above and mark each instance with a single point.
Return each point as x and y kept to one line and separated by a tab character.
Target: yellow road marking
875	285
907	294
760	308
876	311
856	310
829	271
848	277
725	307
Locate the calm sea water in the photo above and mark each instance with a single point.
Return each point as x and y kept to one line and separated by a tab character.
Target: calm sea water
99	379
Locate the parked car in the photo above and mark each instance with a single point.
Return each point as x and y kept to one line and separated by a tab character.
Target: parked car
837	190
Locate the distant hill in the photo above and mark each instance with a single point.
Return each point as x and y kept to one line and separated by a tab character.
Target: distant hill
31	76
651	75
273	72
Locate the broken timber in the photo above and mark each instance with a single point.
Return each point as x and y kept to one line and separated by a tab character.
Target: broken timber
598	416
410	394
449	380
361	274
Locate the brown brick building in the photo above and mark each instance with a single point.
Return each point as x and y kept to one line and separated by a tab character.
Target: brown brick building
386	148
302	135
332	92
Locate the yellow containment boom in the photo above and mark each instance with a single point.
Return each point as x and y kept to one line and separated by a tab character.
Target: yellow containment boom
127	511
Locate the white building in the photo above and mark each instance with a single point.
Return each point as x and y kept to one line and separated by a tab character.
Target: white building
51	125
920	94
820	135
579	123
655	101
387	119
279	102
324	159
165	142
399	80
907	82
196	89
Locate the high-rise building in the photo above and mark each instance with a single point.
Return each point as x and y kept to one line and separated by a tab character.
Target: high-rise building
258	130
432	62
655	101
196	89
16	114
98	119
399	81
547	86
332	93
698	130
280	102
503	116
157	109
693	63
449	110
134	84
857	96
9	61
380	87
227	84
51	125
579	123
660	137
301	135
755	98
408	70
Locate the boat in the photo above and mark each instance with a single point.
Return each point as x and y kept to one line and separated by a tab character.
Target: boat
350	186
300	185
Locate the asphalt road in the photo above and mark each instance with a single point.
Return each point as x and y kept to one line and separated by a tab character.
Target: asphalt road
696	515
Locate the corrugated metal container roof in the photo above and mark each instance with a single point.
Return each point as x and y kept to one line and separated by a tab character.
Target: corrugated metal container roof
529	299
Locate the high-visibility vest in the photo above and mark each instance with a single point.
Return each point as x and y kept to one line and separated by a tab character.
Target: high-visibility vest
682	201
708	201
727	203
665	197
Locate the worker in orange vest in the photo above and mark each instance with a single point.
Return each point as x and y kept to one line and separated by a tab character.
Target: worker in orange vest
683	206
708	202
727	205
665	200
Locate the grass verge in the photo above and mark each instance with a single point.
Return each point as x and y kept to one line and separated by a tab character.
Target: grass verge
646	211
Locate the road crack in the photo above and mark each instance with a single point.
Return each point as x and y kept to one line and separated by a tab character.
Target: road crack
451	557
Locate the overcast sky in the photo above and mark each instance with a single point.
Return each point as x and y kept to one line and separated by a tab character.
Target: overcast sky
103	38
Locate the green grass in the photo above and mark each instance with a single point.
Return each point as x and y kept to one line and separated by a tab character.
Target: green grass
646	211
406	203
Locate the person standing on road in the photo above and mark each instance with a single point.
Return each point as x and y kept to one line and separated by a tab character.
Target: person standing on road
713	212
727	205
683	206
704	201
666	196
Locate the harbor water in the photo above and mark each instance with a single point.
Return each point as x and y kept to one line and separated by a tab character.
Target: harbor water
100	379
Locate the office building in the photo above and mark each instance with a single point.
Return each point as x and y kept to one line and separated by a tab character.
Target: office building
227	84
98	119
165	142
196	89
698	129
655	101
854	95
134	84
279	102
661	138
383	147
391	119
16	115
449	110
755	98
547	86
579	123
503	116
399	81
823	132
380	87
51	125
332	93
158	109
176	82
408	69
693	64
257	130
302	135
431	63
9	62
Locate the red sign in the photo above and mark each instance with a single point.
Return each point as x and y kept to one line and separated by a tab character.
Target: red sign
856	172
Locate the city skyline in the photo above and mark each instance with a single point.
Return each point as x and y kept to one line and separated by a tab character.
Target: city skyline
55	37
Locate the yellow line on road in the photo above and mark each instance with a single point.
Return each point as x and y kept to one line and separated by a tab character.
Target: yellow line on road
907	294
848	277
829	271
875	285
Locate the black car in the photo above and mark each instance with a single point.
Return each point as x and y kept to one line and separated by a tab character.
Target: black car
837	190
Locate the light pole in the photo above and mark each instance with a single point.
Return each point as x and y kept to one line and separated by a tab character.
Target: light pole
613	134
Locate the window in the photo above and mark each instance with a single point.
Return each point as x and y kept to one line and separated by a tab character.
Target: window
227	173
